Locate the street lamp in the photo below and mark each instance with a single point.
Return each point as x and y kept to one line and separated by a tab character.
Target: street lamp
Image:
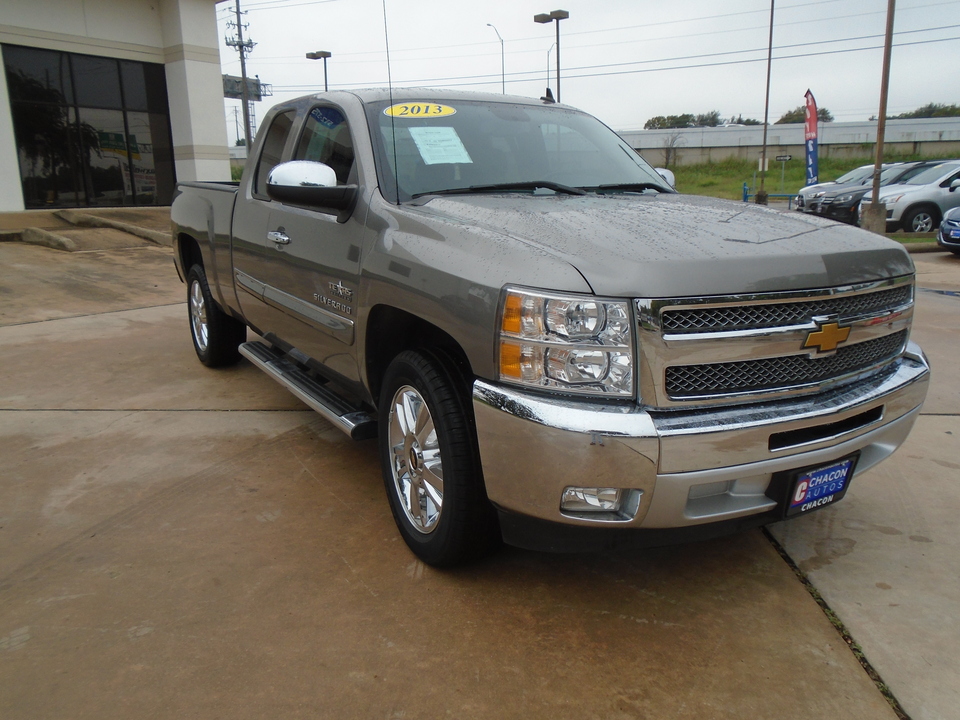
544	18
548	63
503	73
318	55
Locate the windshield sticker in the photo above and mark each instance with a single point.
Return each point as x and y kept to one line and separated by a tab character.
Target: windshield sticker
419	110
439	145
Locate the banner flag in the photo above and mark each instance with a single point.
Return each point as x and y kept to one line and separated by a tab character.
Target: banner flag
810	139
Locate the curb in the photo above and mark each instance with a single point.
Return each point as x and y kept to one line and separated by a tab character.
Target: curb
45	238
923	247
82	219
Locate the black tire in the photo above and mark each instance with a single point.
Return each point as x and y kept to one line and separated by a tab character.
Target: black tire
921	219
216	335
426	434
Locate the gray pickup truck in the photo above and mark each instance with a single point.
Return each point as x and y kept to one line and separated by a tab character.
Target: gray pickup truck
553	347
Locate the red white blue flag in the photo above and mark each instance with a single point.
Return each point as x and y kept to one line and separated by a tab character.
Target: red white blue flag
810	139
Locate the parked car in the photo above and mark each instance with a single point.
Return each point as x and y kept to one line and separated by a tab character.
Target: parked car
808	197
843	202
949	235
918	204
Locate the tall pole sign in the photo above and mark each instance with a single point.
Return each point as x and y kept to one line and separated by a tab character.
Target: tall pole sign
810	138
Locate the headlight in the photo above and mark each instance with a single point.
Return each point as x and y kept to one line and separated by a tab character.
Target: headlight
571	343
890	198
842	199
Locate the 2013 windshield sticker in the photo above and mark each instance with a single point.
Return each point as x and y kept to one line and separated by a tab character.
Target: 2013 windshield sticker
440	145
419	110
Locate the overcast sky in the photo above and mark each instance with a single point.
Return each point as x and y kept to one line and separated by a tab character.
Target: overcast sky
621	60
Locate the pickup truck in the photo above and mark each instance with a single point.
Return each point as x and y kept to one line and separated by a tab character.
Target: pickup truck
553	348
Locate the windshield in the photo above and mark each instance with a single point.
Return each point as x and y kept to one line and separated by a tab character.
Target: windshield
468	144
933	174
861	173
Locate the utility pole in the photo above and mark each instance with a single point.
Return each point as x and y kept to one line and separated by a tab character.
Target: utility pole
875	214
243	47
761	196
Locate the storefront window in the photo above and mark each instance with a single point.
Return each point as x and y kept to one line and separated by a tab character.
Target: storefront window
90	131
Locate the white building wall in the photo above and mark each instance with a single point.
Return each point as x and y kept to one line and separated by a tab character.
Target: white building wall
181	34
11	191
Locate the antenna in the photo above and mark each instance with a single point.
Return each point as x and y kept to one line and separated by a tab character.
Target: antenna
393	121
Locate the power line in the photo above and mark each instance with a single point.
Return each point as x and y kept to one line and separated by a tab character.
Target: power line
533	74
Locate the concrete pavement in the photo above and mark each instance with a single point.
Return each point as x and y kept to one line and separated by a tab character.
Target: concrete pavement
182	542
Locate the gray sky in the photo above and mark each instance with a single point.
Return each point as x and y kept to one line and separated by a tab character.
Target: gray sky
621	60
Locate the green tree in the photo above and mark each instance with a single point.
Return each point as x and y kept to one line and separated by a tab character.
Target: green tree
741	120
710	119
930	110
661	122
799	115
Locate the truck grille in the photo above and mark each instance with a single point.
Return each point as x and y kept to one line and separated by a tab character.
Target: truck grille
748	348
772	373
723	319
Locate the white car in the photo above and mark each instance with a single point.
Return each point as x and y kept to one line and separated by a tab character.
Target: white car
919	204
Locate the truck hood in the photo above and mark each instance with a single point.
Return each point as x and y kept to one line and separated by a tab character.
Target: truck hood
681	245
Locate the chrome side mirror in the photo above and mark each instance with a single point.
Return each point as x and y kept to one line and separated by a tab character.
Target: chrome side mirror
302	173
312	185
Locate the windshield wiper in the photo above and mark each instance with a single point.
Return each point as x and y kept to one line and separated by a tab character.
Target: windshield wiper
506	187
626	187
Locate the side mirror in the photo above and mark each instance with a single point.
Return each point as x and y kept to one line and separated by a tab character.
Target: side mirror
955	184
668	176
313	185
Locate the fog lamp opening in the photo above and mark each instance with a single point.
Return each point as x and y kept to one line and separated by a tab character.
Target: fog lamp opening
591	499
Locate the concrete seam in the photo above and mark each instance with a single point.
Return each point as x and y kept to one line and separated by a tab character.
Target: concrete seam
109	312
839	626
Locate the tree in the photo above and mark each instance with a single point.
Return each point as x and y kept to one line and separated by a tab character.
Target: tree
710	119
799	115
741	120
930	110
662	122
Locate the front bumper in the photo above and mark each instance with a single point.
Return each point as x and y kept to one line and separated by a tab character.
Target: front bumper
945	241
710	467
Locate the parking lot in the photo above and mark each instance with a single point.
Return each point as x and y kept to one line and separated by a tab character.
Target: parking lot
179	542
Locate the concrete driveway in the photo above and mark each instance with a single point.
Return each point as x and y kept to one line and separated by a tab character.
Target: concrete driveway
178	542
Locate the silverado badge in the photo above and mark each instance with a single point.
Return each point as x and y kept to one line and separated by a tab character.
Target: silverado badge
826	337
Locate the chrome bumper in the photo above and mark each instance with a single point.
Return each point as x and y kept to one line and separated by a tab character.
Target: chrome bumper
692	467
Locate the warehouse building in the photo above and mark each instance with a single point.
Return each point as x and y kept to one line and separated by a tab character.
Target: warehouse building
108	102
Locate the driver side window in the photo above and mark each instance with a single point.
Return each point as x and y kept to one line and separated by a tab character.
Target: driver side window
326	139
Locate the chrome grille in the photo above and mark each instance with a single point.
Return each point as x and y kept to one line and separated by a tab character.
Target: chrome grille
686	381
722	319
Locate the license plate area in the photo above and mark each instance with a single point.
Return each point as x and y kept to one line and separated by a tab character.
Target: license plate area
815	487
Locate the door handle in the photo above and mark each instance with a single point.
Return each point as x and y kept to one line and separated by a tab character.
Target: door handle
278	237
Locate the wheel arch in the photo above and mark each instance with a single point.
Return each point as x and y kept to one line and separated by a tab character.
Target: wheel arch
932	207
390	331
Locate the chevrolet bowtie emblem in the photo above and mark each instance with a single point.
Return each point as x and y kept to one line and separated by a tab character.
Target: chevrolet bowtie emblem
827	337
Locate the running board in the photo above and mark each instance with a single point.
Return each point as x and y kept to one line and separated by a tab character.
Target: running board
358	424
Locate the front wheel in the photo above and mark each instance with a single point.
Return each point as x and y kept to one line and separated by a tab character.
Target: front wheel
921	220
430	462
216	335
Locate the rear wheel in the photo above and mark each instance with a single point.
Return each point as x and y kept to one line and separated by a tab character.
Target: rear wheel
922	219
216	335
430	461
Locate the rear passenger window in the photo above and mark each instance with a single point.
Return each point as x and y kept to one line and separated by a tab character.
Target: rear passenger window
273	149
326	139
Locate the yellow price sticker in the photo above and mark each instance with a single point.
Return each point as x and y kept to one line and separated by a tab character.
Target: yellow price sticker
416	110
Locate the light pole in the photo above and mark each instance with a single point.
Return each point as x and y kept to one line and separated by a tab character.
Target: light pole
548	63
321	54
761	197
544	18
503	72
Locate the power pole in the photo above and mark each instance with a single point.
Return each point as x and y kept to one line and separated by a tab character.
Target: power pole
875	214
243	47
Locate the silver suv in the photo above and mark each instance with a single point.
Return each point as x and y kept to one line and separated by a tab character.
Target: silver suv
918	204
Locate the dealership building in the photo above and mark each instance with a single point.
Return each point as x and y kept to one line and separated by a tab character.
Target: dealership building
108	102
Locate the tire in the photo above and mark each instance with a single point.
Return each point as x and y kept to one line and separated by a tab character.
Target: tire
922	219
216	335
431	463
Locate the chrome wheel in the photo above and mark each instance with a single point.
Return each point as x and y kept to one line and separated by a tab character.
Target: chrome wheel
198	316
415	459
